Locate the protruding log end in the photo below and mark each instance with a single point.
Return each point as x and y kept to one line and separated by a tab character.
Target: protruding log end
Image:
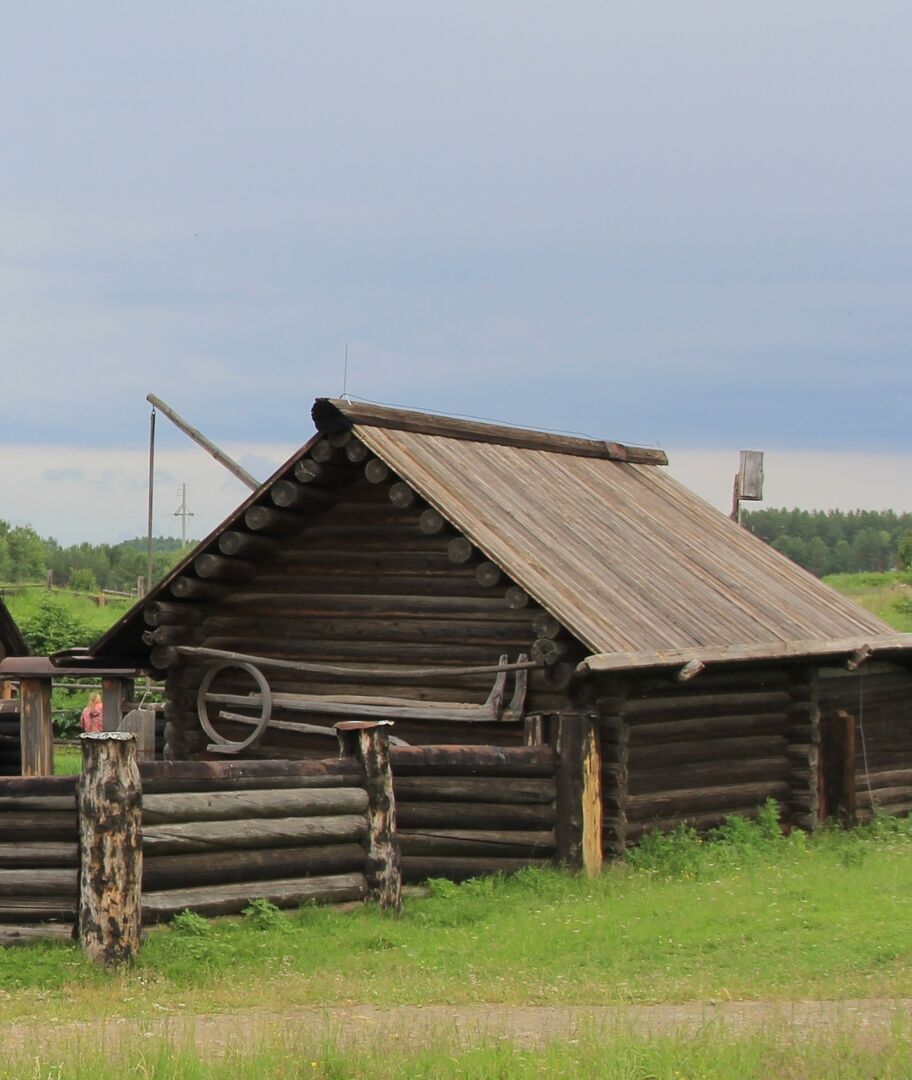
487	574
460	550
431	522
402	496
517	598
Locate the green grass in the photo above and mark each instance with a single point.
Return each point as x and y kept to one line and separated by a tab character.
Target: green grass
774	1054
67	760
746	916
880	594
82	606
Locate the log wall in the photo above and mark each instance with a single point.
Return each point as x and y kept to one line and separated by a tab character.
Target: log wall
348	571
695	752
469	810
878	698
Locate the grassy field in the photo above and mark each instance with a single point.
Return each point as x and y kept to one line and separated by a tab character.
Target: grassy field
880	594
81	606
609	1055
749	915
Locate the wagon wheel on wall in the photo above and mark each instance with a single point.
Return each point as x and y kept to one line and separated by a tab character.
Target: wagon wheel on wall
253	709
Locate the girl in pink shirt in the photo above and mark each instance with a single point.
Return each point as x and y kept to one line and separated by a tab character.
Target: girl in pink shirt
92	714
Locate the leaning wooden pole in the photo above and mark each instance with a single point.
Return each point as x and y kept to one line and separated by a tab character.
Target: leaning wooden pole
110	844
368	740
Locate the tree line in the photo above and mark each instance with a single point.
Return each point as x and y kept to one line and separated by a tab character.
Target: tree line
25	557
836	541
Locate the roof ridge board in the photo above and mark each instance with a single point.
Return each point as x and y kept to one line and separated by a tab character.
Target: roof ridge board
336	414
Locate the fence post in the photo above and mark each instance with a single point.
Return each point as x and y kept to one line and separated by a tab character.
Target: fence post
115	693
579	791
110	847
368	740
36	729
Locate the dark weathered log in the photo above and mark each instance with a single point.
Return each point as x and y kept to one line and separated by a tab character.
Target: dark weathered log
219	568
488	574
232	899
674	754
642	710
708	773
49	853
18	787
55	882
162	613
38	908
548	651
461	760
324	452
279	522
23	935
432	522
265	832
546	626
290	495
402	495
36	727
339	439
308	471
668	803
110	841
516	598
460	550
484	842
370	743
354	584
417	868
190	588
164	656
356	452
175	635
249	806
243	544
238	773
469	815
474	789
295	605
707	727
376	471
222	867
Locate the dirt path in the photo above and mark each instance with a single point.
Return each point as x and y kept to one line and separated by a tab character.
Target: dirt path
870	1021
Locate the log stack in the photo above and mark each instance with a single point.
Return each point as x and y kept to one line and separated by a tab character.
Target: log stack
219	834
39	852
469	810
700	750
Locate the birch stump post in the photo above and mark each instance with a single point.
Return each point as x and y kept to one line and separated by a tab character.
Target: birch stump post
110	846
579	792
368	740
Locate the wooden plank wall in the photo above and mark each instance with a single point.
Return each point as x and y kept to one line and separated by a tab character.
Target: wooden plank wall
879	698
363	583
695	752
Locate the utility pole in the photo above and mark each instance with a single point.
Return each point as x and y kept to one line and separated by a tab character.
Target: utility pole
183	513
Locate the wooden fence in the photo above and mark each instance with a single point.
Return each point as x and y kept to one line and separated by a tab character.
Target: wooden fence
210	836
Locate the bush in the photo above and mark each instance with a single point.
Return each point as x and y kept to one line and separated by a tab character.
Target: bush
52	628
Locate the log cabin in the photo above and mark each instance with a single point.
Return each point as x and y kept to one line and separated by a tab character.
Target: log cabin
477	583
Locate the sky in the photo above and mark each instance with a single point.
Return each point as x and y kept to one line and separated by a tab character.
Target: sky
684	225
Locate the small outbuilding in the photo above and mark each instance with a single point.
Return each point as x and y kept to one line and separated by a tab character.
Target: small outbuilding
471	582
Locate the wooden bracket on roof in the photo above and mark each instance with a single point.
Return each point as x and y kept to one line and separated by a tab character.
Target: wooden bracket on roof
690	670
859	657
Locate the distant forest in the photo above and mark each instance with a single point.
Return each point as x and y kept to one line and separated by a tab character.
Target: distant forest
836	541
26	557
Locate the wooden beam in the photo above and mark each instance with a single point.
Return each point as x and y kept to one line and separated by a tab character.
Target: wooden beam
331	415
36	730
579	794
115	693
821	648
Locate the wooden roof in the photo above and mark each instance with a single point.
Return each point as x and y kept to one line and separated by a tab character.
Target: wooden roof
624	556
